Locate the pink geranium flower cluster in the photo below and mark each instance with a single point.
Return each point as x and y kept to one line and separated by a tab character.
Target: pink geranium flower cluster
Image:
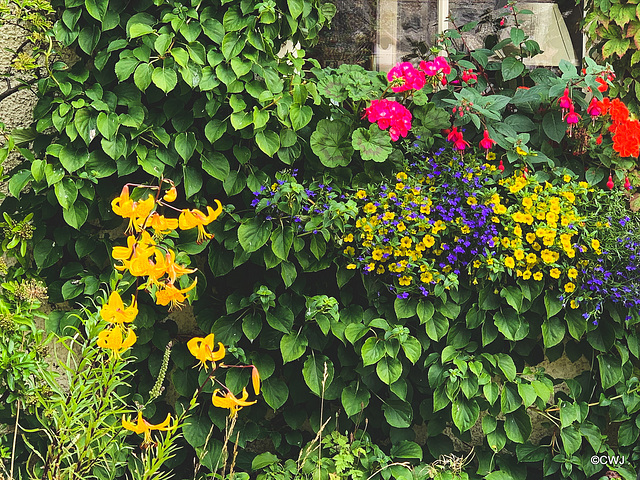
435	66
390	114
413	79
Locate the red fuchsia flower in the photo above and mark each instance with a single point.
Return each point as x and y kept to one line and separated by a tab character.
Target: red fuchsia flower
486	142
468	75
610	182
572	117
594	109
501	166
453	135
502	22
565	101
627	183
413	79
390	114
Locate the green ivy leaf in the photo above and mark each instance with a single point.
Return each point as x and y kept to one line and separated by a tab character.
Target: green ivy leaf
571	439
553	125
96	8
71	289
464	412
389	369
517	425
72	160
412	349
268	141
142	76
510	399
372	351
254	234
18	181
425	311
66	192
511	325
192	180
398	413
300	115
107	124
76	215
355	398
437	327
552	331
275	392
619	46
552	304
281	241
185	144
292	346
232	44
610	370
164	78
318	373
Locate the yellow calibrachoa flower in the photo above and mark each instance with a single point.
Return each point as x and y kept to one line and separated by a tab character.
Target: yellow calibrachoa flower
348	238
537	276
195	218
361	194
509	262
572	273
569	287
112	340
114	311
351	266
145	427
203	350
555	272
169	294
229	400
404	280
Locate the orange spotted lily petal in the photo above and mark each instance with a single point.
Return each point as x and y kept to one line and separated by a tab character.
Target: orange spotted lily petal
169	294
255	379
114	311
202	349
162	224
112	340
229	401
145	427
195	218
170	195
174	270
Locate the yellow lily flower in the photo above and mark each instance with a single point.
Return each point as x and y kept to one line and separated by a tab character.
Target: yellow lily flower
135	254
174	270
255	379
169	294
112	340
162	224
202	349
114	311
229	401
145	427
134	211
170	195
195	218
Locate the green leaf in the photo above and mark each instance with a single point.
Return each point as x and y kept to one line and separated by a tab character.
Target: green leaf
275	392
528	393
513	296
214	129
295	7
517	425
571	439
553	125
404	308
72	160
373	144
552	304
355	398
264	460
372	351
18	181
139	29
619	46
318	373
511	68
96	8
511	325
491	392
292	346
164	78
300	115
76	215
240	120
254	234
163	42
398	413
510	399
185	144
412	349
232	44
89	38
425	311
505	363
66	192
389	369
192	180
552	331
142	76
71	289
610	370
281	319
268	141
464	412
330	142
215	164
107	124
437	327
281	241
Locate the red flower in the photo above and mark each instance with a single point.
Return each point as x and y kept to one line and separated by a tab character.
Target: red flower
564	101
626	138
593	109
627	183
599	140
572	117
486	142
468	75
603	84
604	105
390	114
501	166
412	78
610	183
618	111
